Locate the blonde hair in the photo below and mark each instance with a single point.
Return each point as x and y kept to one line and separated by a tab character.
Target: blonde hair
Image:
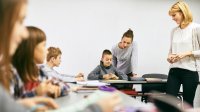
182	7
53	52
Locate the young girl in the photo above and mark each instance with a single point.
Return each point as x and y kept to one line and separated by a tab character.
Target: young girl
12	31
29	53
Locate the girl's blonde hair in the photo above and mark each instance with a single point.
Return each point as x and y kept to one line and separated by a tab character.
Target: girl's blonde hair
185	10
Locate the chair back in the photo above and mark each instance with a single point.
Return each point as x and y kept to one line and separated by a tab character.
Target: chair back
155	87
155	75
168	103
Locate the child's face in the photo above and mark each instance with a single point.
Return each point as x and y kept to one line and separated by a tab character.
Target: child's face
107	60
57	60
40	53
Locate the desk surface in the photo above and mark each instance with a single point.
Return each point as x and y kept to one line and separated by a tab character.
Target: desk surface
71	98
74	97
133	82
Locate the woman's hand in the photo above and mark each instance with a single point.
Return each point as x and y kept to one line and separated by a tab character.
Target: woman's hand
172	58
182	55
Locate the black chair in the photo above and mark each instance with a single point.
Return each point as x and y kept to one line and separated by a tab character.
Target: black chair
168	103
147	88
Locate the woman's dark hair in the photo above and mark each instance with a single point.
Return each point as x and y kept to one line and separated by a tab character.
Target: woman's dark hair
23	59
129	34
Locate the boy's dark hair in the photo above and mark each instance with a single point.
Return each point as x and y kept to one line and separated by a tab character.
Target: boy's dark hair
106	52
129	34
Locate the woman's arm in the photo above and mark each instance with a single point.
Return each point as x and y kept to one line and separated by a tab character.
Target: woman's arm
134	58
121	75
196	53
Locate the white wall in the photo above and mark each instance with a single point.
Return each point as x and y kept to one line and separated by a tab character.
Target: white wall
84	28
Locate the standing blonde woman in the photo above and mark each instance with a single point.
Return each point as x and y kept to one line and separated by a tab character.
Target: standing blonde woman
184	54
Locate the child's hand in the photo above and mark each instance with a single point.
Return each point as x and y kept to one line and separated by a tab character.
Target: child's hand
113	76
42	88
54	91
79	77
76	88
107	76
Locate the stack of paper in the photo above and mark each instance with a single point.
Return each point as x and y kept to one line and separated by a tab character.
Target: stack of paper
93	83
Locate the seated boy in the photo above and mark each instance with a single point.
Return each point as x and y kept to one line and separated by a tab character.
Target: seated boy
105	71
53	60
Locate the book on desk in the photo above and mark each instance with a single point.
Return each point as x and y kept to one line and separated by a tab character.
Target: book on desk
90	86
87	89
92	83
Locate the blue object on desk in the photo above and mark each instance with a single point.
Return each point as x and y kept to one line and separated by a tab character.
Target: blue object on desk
34	108
107	88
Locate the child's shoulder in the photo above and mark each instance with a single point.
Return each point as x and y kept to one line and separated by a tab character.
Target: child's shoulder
44	67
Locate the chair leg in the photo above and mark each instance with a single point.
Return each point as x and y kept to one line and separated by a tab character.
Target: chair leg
146	99
142	99
134	97
181	98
